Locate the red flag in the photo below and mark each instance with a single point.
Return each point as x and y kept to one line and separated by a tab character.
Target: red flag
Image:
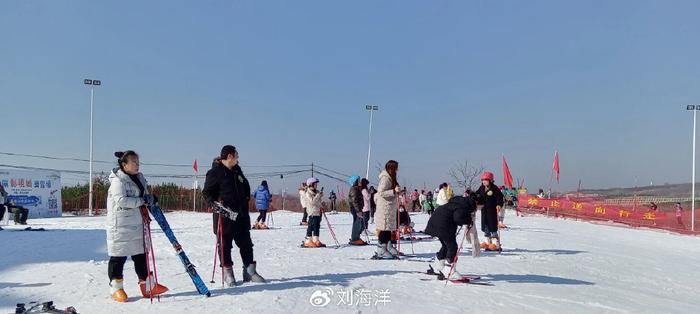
555	167
196	169
507	177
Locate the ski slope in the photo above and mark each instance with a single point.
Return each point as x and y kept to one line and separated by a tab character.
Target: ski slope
548	266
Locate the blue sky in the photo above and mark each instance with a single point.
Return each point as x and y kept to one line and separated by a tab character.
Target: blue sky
603	82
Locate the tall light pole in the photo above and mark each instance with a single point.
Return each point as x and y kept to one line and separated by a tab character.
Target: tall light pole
371	110
695	109
92	84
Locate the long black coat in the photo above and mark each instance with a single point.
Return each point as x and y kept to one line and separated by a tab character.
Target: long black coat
446	218
230	187
491	199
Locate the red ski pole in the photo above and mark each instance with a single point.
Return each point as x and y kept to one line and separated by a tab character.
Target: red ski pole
454	261
398	227
216	249
153	259
330	228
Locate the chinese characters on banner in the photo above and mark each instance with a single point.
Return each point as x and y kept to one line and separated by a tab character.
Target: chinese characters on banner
589	209
38	191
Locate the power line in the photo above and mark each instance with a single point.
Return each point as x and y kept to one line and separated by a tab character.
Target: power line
145	164
333	171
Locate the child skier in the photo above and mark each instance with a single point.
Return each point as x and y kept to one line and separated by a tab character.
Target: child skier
490	196
262	198
443	225
313	199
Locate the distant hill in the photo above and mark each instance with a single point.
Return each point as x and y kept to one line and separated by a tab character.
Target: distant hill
667	190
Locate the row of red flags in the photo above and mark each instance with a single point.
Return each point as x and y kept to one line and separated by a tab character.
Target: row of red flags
508	177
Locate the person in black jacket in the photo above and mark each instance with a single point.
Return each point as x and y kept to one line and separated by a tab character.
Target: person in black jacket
443	224
490	196
357	202
226	184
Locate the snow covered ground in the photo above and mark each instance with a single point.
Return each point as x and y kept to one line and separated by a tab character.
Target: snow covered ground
548	266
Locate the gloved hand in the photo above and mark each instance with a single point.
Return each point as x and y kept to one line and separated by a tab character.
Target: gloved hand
150	199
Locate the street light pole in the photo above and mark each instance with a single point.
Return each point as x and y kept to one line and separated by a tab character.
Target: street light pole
92	84
371	110
695	109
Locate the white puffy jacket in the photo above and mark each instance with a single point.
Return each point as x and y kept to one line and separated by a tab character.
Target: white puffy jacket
124	221
313	202
442	197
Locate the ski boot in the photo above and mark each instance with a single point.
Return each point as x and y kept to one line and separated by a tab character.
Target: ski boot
251	274
308	243
382	252
359	242
494	246
317	242
116	289
149	288
229	277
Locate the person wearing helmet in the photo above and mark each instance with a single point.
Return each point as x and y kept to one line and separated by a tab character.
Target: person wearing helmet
313	209
491	198
356	200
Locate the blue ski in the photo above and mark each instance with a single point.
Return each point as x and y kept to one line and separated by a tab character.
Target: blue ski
189	267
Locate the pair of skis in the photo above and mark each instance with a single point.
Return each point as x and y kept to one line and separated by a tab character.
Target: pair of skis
158	216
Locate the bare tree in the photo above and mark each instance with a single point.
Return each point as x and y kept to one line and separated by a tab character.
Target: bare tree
466	175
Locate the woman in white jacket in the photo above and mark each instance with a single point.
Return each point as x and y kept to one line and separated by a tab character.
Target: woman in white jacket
127	196
387	212
442	197
313	199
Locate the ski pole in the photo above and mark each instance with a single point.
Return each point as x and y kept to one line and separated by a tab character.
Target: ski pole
216	250
454	261
398	228
410	234
155	269
330	228
147	246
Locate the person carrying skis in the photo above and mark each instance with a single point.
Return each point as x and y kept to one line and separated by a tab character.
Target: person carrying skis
226	184
302	200
443	225
126	210
313	199
490	196
385	217
262	197
356	201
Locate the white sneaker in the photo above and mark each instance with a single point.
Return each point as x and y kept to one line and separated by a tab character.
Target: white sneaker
437	266
455	274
